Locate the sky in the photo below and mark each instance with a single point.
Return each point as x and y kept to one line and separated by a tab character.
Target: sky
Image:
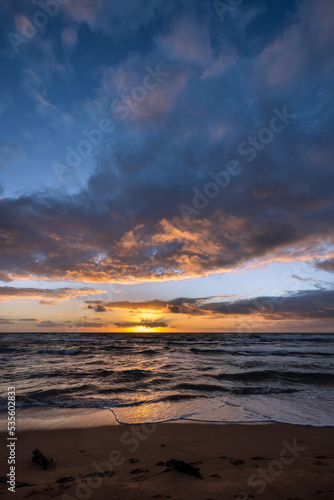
166	166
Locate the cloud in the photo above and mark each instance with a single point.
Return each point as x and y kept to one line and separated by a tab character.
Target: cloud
299	278
89	324
117	19
12	321
140	90
177	306
181	305
297	50
309	304
8	293
47	302
4	276
49	324
124	224
220	64
68	325
98	308
284	59
79	248
145	324
34	85
187	42
4	321
69	37
325	265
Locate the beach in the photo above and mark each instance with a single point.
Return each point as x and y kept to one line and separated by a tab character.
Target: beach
251	414
100	460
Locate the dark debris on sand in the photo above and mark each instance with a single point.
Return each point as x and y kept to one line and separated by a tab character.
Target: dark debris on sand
40	459
18	484
184	467
237	462
138	471
65	479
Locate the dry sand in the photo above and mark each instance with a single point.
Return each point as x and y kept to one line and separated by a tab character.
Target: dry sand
237	461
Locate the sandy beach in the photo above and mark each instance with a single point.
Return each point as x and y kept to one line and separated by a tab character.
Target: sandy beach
236	461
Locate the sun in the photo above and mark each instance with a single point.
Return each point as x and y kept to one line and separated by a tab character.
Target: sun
142	329
137	329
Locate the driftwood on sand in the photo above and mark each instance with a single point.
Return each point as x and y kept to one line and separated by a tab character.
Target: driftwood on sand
40	459
184	467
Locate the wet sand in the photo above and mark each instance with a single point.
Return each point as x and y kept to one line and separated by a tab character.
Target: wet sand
118	462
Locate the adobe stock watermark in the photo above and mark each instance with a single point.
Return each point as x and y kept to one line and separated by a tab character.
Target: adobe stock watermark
222	8
30	27
130	439
248	148
122	107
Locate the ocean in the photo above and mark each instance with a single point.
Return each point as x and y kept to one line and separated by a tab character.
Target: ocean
147	377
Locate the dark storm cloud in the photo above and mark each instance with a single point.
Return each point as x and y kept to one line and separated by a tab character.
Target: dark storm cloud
126	224
311	304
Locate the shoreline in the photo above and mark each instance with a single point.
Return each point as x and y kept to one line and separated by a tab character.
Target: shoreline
99	460
50	417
